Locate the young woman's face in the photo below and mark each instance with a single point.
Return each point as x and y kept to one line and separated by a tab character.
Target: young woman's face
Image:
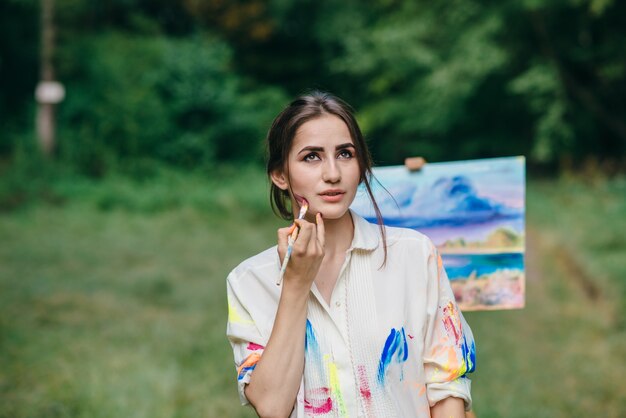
323	167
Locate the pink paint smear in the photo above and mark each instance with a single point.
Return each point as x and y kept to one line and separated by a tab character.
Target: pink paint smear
254	347
321	404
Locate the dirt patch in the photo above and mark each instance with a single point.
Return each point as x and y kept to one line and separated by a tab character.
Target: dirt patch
537	247
567	262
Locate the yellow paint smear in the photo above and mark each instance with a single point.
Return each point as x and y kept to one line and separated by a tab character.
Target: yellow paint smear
235	317
335	388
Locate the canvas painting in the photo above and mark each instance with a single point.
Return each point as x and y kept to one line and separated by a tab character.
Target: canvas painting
474	212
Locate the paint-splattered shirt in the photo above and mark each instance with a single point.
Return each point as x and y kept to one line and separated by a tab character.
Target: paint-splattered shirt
392	342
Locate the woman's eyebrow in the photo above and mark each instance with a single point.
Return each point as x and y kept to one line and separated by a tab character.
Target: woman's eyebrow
312	148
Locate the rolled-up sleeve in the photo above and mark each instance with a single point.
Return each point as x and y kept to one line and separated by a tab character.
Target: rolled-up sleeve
244	337
449	350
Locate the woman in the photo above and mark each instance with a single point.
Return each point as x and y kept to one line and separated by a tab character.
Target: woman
364	322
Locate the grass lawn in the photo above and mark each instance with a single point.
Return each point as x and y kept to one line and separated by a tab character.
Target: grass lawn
112	303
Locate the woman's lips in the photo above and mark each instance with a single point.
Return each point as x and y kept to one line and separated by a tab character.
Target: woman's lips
332	196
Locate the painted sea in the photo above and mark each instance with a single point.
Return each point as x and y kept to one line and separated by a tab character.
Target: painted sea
486	281
473	211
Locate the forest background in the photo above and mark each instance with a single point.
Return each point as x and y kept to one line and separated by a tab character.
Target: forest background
112	250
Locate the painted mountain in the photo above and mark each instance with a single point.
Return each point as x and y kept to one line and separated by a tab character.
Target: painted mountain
474	213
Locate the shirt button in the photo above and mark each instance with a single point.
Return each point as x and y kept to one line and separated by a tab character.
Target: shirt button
337	304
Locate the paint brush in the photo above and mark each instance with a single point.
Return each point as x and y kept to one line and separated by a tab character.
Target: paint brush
304	206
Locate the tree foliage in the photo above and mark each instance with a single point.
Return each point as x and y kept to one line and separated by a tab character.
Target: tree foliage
161	98
472	78
192	82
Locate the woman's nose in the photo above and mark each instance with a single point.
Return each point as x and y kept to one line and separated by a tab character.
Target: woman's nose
331	172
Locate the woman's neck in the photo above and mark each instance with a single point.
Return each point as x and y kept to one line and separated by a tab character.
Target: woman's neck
338	234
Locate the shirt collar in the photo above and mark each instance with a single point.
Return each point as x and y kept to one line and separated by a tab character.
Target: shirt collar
365	233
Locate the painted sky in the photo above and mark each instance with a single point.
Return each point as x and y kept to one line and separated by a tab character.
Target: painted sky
469	196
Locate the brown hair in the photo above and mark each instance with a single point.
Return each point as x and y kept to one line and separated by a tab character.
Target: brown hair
283	130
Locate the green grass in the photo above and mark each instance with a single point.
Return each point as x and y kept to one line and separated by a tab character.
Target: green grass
587	222
112	300
119	309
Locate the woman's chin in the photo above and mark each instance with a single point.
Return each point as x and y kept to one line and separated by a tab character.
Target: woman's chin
332	213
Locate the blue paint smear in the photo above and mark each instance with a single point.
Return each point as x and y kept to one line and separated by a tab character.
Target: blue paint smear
395	349
310	341
312	351
245	371
469	355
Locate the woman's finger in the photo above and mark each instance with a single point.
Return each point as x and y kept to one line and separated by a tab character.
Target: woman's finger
319	221
304	235
312	246
283	240
283	235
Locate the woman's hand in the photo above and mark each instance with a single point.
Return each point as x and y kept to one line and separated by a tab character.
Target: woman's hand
307	253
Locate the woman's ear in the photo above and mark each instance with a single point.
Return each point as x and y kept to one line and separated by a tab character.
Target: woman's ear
279	179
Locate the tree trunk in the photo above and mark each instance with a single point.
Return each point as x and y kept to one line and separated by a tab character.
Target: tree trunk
45	122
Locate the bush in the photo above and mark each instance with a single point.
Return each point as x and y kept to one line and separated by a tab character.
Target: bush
166	99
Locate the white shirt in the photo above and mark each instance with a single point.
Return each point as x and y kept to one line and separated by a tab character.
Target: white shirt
392	342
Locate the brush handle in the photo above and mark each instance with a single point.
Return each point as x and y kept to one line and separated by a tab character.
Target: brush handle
290	241
286	260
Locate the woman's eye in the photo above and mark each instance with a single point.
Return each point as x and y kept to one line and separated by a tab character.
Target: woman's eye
345	154
311	157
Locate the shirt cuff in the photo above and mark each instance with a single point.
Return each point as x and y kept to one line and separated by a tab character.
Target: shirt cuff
244	374
241	386
459	388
